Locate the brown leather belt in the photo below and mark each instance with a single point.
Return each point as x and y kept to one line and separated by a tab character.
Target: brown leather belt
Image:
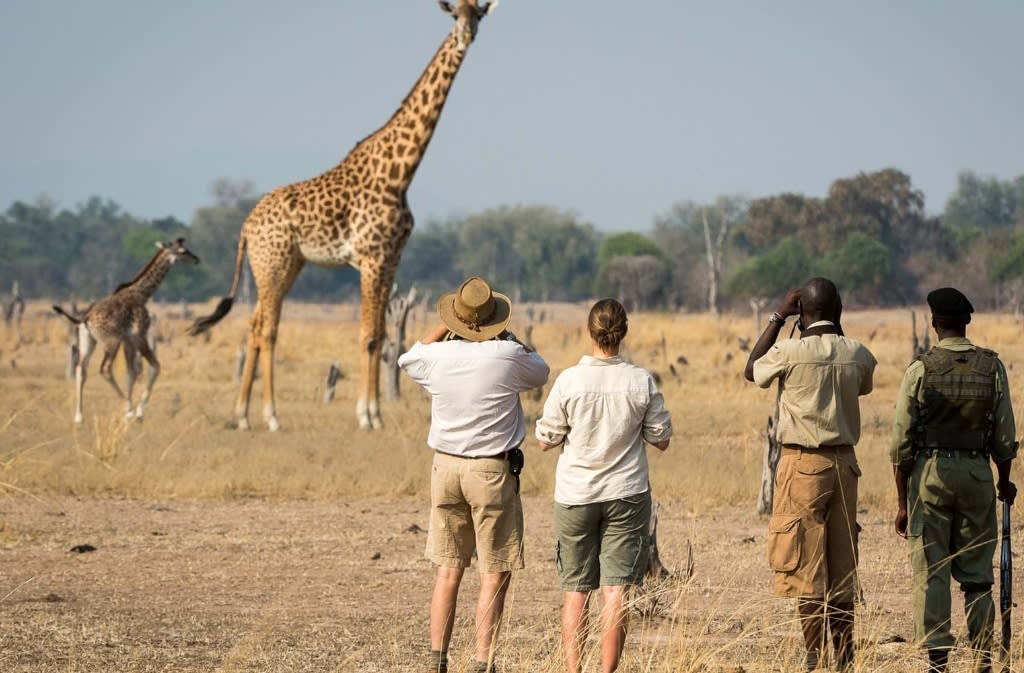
796	449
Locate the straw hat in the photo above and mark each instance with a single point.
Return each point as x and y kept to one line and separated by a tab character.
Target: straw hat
475	312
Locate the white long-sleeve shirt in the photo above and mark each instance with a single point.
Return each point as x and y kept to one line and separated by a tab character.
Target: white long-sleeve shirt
474	388
604	409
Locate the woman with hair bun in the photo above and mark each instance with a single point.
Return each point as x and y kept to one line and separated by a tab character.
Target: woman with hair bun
600	412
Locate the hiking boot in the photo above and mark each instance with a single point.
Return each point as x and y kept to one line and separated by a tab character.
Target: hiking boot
438	662
937	660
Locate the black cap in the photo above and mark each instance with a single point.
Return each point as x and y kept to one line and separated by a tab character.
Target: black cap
950	303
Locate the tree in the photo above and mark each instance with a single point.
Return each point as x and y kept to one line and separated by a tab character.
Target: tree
698	253
638	279
429	259
532	252
626	244
861	265
785	266
611	273
984	204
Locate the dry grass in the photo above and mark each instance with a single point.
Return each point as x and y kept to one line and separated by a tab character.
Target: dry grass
262	560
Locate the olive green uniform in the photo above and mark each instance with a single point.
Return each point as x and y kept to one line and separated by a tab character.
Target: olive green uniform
953	413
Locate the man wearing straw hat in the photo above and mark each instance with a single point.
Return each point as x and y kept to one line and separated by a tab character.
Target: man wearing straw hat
474	369
953	415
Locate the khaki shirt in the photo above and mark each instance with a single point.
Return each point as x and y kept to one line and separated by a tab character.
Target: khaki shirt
1004	446
821	378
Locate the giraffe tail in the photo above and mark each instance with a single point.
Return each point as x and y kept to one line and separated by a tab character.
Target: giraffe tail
73	319
224	306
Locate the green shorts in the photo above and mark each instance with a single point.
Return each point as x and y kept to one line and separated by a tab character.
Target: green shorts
603	543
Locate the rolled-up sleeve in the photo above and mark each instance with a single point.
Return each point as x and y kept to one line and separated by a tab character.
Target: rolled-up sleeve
657	421
415	363
901	452
770	366
1004	440
553	425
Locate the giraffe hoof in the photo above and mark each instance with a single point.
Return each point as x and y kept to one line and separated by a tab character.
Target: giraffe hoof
272	424
78	419
376	423
243	424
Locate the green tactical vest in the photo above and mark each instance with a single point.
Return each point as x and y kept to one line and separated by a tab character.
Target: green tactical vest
959	390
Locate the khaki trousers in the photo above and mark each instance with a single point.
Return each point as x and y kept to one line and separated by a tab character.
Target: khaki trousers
812	535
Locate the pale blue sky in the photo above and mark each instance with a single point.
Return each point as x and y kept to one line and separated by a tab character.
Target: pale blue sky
612	108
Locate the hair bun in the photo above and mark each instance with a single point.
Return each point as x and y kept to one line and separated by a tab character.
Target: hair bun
607	324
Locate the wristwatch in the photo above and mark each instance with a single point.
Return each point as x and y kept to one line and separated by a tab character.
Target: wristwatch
776	317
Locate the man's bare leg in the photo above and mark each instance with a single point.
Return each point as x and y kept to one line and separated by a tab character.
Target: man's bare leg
575	609
490	605
442	606
613	626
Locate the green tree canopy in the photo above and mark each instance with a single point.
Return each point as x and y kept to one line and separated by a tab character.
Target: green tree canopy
785	266
861	265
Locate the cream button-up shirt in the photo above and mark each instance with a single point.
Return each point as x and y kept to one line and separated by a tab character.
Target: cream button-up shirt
603	409
821	378
474	389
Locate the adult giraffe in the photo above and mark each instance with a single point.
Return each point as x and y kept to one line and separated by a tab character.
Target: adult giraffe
355	214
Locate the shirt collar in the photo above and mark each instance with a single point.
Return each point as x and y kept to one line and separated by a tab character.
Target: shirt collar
955	343
591	361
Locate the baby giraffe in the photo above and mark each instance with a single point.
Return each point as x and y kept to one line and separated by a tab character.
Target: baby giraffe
122	319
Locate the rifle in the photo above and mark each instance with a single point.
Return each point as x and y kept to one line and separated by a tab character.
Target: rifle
1006	586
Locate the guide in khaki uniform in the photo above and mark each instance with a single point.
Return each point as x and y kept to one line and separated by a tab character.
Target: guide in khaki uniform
953	414
812	535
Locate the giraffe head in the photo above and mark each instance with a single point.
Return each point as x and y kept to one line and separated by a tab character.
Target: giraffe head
467	15
176	251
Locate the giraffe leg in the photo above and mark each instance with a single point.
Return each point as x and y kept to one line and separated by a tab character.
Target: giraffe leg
86	344
268	340
375	290
132	370
154	371
268	336
107	366
252	352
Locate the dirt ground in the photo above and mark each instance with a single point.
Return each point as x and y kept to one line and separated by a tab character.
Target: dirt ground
260	585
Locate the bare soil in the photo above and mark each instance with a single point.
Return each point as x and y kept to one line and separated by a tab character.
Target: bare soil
262	585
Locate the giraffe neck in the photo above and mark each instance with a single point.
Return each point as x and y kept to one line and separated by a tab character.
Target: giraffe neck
146	283
403	141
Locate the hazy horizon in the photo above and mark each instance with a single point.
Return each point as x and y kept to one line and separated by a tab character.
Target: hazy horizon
610	110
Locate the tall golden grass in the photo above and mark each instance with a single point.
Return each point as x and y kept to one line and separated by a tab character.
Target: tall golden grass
186	446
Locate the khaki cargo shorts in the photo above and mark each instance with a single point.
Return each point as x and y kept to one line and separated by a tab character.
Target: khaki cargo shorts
813	533
474	508
603	543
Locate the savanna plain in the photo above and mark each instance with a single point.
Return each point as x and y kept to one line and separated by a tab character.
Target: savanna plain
220	550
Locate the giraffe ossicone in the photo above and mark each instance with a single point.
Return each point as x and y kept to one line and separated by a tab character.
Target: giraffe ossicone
355	214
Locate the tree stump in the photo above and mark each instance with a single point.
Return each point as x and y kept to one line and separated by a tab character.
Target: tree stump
655	568
918	347
756	305
773	451
396	316
334	374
